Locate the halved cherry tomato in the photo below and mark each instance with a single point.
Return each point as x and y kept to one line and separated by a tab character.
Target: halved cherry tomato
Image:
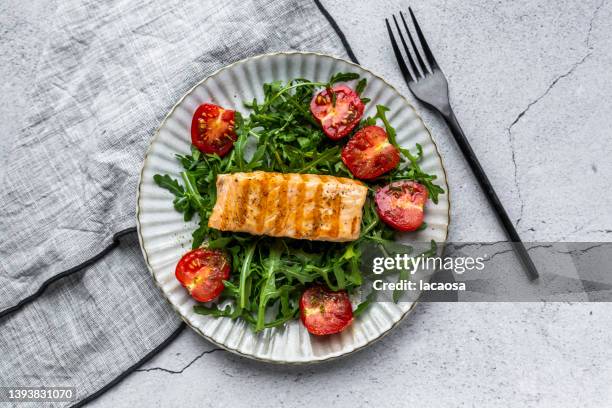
325	312
369	154
212	129
400	204
202	272
337	120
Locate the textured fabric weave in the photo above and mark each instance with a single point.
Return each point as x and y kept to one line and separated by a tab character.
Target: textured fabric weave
87	328
86	85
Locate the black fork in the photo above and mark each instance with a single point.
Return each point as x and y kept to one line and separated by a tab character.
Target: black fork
427	82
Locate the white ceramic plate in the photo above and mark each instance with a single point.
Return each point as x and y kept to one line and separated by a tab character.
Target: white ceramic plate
164	236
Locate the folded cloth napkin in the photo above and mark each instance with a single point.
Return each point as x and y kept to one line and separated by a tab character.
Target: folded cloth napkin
87	84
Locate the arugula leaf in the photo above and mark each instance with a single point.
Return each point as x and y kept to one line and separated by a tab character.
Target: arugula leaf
181	201
268	286
361	86
245	272
365	304
213	311
169	184
343	77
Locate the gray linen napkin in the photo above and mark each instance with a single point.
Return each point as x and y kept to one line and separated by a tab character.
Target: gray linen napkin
87	84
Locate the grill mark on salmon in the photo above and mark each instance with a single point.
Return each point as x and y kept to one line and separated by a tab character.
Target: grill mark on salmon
261	216
298	206
281	216
274	197
229	210
355	225
316	213
334	218
221	202
242	201
223	195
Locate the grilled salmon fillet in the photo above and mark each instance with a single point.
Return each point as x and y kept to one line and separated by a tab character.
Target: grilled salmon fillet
302	206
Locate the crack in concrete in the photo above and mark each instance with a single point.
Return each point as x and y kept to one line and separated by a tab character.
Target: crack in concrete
579	229
506	251
584	250
593	17
595	231
521	114
166	370
549	88
577	251
460	245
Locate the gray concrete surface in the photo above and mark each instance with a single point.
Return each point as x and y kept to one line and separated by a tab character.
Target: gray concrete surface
531	84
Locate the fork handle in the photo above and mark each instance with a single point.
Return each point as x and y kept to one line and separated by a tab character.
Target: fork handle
484	182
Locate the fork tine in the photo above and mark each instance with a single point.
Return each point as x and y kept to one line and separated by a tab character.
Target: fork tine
428	53
412	64
414	47
398	53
